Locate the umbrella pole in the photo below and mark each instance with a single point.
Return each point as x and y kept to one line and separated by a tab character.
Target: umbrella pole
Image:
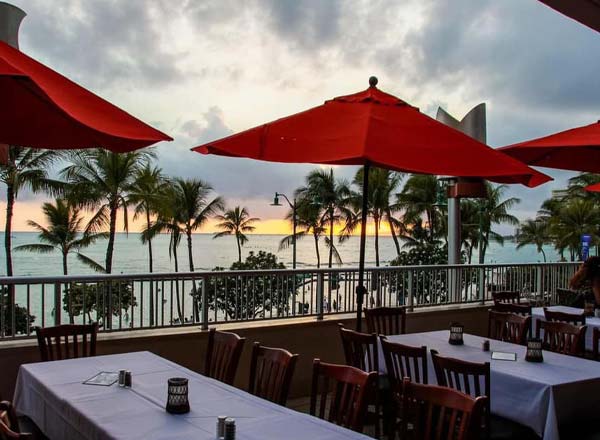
360	289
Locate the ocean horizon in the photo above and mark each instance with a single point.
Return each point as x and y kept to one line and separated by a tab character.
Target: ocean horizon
131	256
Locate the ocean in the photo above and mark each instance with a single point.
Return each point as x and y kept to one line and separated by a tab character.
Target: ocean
131	256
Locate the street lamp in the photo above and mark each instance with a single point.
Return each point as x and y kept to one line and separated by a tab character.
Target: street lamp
293	206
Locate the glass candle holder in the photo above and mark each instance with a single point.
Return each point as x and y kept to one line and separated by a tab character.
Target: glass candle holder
588	308
534	350
456	334
177	399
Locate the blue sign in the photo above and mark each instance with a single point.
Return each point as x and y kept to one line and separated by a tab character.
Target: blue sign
586	241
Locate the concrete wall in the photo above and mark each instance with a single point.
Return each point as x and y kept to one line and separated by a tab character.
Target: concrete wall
307	337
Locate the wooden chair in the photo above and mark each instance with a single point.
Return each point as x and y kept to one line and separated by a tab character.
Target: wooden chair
360	349
440	413
271	371
508	327
562	337
386	320
223	355
568	297
340	394
9	423
402	361
596	342
67	341
506	297
570	318
467	377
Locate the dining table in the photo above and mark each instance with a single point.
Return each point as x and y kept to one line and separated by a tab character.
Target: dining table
54	396
544	396
537	314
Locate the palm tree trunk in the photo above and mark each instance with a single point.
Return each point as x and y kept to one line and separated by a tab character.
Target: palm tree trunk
543	254
179	311
67	286
111	237
317	250
237	237
394	236
149	241
64	262
330	263
377	220
196	310
430	224
10	203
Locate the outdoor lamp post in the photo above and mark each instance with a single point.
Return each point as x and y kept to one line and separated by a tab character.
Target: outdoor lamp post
294	221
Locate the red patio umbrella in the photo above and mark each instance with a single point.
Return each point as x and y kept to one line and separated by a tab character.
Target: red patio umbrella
373	128
593	188
43	109
577	149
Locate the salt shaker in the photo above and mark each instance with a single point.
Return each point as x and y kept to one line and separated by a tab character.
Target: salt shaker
229	428
128	379
486	345
221	426
122	378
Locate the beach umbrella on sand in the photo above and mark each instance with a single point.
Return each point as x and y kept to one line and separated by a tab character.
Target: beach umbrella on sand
577	149
41	108
373	128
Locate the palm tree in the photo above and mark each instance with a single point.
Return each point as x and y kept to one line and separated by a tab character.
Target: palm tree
574	219
146	194
101	180
533	232
236	221
494	210
333	197
193	210
26	168
383	185
63	233
418	198
308	220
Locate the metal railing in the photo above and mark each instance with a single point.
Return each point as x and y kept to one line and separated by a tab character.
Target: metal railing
156	300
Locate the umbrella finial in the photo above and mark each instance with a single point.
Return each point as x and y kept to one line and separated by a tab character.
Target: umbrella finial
373	81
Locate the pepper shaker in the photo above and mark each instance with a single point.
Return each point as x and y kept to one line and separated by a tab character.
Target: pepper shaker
128	379
486	345
230	428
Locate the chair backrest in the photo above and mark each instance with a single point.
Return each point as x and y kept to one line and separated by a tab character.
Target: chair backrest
506	297
568	297
508	327
471	378
570	318
9	423
404	361
67	341
360	349
440	413
562	337
517	309
386	320
223	355
596	341
340	394
271	371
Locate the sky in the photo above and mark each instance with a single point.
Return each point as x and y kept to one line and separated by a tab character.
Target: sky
200	70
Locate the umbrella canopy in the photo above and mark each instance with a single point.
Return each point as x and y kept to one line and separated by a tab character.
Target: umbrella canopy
43	109
577	149
586	12
373	128
593	188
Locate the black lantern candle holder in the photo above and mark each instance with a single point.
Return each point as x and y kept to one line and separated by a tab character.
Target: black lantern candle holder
177	399
456	334
534	350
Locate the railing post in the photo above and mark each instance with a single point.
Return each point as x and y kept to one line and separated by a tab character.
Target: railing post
320	291
539	278
57	305
482	284
410	300
204	304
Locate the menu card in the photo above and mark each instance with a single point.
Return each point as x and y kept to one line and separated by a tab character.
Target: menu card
104	378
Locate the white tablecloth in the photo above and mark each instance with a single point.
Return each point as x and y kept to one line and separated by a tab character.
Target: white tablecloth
591	321
562	389
53	395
